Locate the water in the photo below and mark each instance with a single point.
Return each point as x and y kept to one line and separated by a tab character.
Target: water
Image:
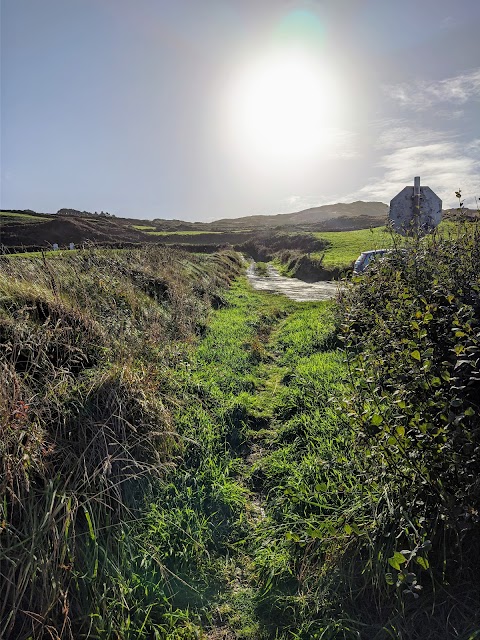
291	287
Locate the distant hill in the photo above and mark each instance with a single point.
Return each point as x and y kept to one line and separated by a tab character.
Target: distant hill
65	229
70	225
372	210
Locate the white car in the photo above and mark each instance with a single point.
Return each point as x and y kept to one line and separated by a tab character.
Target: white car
365	258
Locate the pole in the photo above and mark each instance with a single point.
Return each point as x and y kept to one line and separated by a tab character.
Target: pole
416	201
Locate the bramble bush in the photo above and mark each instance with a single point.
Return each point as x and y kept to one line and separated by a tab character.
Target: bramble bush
411	330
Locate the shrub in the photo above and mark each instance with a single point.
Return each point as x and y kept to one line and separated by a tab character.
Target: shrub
411	330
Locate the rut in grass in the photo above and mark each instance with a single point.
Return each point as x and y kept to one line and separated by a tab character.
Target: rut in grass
254	367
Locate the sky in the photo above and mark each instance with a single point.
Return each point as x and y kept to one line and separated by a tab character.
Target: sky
200	110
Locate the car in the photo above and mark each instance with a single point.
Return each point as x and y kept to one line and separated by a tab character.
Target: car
365	258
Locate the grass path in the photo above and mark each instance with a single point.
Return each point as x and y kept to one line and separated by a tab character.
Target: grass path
256	408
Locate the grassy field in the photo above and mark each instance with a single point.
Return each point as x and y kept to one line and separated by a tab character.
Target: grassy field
346	246
7	216
203	408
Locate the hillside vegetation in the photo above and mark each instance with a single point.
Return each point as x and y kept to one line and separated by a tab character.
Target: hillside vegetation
86	427
344	247
69	225
19	218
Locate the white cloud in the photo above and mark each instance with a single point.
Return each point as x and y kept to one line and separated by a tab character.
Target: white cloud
474	146
443	165
396	134
421	95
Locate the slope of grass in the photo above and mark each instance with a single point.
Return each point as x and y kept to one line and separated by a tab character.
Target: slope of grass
7	216
86	431
346	246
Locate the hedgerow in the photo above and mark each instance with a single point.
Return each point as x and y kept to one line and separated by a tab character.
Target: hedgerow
411	330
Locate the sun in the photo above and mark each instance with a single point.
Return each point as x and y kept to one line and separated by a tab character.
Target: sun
282	107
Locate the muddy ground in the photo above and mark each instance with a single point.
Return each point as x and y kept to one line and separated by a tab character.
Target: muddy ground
291	287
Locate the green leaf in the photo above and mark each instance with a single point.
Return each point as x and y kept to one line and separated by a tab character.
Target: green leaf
423	562
400	431
292	536
376	420
415	355
389	578
396	560
90	524
348	529
469	411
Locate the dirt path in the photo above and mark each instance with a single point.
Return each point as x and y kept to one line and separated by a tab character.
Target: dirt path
291	287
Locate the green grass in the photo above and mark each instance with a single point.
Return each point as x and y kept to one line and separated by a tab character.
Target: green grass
143	227
256	420
88	340
252	515
346	246
20	217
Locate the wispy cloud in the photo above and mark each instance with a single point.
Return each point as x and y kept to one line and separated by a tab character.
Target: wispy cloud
445	165
342	144
397	134
422	95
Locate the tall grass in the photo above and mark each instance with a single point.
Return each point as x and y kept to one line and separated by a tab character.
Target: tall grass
269	470
86	344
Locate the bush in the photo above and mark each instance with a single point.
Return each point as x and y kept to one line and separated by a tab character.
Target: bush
411	330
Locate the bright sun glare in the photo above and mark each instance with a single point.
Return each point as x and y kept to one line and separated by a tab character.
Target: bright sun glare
283	108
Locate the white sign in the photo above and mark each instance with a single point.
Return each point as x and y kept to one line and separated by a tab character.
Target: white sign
415	210
71	245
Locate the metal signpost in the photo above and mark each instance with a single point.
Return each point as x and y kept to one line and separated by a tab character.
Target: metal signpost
415	210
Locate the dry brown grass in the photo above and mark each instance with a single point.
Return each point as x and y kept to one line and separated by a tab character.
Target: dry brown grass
85	426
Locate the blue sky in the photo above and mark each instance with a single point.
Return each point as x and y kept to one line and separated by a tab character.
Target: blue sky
150	108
